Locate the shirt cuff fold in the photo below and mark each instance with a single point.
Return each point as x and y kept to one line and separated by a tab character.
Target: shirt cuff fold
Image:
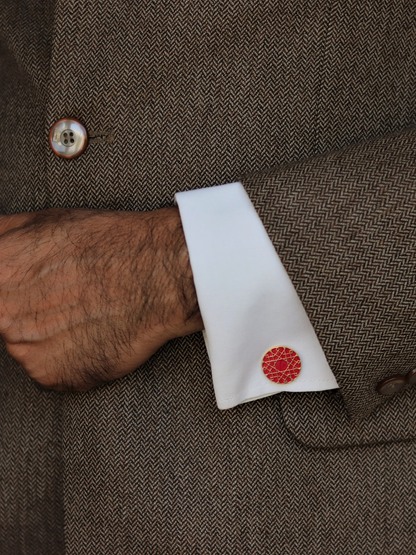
247	300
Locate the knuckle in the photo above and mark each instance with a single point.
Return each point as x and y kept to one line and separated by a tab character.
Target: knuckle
35	368
20	352
9	320
47	383
6	323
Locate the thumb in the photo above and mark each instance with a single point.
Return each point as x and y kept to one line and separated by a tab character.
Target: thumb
14	221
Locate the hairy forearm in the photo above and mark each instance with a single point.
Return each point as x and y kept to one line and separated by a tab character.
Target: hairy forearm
175	307
87	296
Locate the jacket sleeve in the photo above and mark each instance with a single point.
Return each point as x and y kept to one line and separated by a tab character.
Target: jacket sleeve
344	226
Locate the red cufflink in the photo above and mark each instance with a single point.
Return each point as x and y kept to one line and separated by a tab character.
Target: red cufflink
281	365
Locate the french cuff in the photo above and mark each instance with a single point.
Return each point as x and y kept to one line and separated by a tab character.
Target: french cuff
258	336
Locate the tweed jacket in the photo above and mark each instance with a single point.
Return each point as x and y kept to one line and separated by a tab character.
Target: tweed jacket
310	103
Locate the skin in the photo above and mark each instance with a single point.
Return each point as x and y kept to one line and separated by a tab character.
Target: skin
87	296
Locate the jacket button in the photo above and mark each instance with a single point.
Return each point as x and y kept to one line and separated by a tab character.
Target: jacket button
391	385
68	138
411	377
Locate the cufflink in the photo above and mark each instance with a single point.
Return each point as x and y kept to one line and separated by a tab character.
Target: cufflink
281	365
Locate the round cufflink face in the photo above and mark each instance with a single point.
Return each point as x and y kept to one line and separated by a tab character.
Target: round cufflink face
68	138
281	365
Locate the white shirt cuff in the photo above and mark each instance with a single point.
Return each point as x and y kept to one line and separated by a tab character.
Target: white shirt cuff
247	300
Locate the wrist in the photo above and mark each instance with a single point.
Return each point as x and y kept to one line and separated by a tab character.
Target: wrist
180	304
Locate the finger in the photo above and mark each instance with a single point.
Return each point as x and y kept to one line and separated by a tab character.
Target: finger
14	221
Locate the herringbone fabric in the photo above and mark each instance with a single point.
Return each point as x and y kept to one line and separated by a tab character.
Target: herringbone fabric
160	470
182	95
339	224
31	489
321	420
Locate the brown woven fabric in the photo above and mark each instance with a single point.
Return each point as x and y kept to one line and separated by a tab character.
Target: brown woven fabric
183	95
31	489
339	224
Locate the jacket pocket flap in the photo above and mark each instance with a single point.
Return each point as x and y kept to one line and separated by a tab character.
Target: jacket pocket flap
321	420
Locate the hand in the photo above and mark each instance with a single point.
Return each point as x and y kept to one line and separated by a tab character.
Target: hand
87	296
